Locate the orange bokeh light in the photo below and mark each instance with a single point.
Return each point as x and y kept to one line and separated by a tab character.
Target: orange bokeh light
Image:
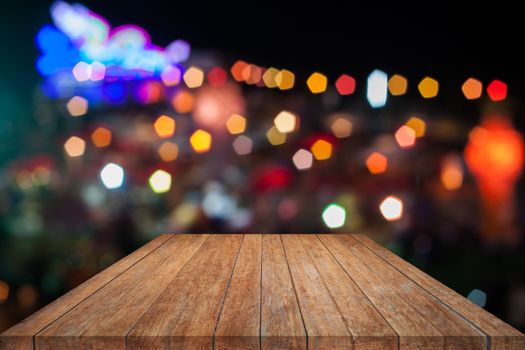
377	163
164	126
101	137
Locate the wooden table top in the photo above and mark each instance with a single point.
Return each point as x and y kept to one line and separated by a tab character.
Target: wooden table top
234	291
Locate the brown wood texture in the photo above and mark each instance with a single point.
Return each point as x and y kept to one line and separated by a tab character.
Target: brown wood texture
271	291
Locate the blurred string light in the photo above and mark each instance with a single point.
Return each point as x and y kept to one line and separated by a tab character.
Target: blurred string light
77	106
397	85
428	87
101	137
303	159
242	145
4	291
236	124
497	90
322	149
391	208
194	77
451	172
317	83
112	175
472	89
183	101
478	297
405	137
168	151
376	163
275	137
160	181
285	122
200	141
334	216
376	90
164	126
75	146
345	85
418	125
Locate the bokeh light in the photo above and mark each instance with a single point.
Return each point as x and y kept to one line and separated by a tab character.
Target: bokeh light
213	106
236	124
303	159
285	122
160	181
77	106
217	77
82	71
451	172
397	85
478	297
194	77
178	51
377	163
171	75
4	291
112	175
497	90
237	70
168	151
164	126
75	146
275	137
345	85
269	77
341	127
252	74
418	125
428	87
183	101
391	208
200	141
322	149
285	79
242	145
98	71
472	89
376	90
405	137
334	216
317	83
101	137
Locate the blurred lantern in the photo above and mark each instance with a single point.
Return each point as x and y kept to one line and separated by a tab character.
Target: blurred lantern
495	156
213	106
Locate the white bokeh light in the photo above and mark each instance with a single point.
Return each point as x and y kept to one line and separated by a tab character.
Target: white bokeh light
112	175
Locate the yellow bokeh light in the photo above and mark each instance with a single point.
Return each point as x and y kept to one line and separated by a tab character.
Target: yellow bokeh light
168	151
472	89
77	106
377	163
200	140
322	149
164	126
236	124
317	83
285	122
194	77
75	146
405	137
418	125
285	80
341	127
397	85
183	101
160	181
275	137
101	137
428	87
269	77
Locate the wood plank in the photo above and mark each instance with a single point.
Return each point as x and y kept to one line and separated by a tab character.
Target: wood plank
282	326
185	315
20	336
419	319
102	320
502	335
368	328
325	326
239	324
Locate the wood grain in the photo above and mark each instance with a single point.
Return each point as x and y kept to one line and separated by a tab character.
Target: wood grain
20	336
234	291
